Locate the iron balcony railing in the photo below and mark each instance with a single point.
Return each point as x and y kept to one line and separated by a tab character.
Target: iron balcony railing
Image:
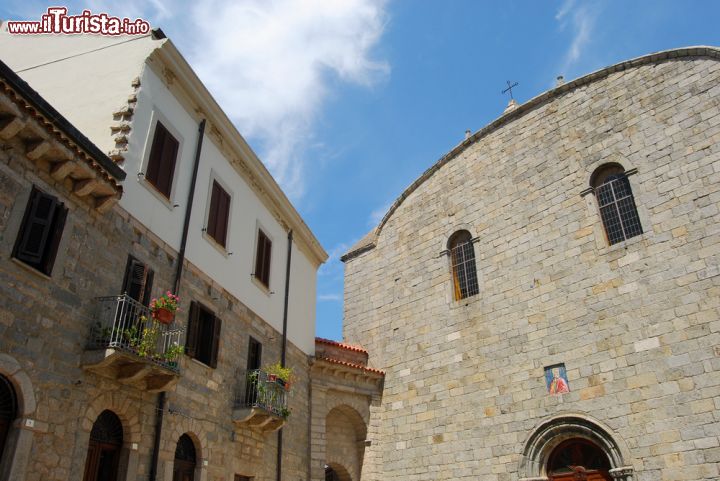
125	324
264	391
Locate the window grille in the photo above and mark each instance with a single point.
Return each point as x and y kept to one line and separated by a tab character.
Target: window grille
617	206
462	260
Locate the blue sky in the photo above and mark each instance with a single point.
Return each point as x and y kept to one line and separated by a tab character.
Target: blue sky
348	101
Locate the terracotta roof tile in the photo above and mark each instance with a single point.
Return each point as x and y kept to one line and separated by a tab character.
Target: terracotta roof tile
342	345
352	365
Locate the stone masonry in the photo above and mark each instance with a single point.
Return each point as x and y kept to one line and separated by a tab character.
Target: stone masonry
636	323
45	323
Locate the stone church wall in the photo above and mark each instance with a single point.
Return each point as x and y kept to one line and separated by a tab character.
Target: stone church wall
635	324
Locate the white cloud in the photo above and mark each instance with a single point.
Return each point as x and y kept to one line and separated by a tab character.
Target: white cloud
269	62
581	20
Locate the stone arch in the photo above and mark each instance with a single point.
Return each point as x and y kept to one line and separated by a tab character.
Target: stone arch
126	409
554	430
10	368
336	472
345	432
120	404
175	426
16	454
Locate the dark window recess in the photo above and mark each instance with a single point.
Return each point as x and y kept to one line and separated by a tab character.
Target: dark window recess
254	355
138	281
617	205
219	213
253	363
239	477
8	409
163	155
42	226
462	260
262	258
203	335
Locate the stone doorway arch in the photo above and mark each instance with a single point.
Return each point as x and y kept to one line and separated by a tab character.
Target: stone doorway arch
345	430
552	432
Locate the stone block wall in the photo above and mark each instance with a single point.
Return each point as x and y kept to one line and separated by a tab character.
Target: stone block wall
635	324
45	323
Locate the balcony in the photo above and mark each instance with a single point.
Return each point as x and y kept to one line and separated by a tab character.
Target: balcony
264	406
126	344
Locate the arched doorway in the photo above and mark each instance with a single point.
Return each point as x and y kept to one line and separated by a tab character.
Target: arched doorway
185	459
103	455
8	410
336	473
578	460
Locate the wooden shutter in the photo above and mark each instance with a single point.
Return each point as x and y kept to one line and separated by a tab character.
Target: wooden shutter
191	340
259	256
215	342
163	156
135	281
218	214
54	240
212	214
222	216
36	228
262	260
147	291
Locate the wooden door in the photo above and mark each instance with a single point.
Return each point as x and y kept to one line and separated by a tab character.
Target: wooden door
183	470
102	462
103	455
578	460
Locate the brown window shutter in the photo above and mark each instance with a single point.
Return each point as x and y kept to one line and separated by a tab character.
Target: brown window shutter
222	220
147	291
259	255
266	262
213	213
135	282
215	342
54	241
163	156
152	173
167	168
36	229
191	341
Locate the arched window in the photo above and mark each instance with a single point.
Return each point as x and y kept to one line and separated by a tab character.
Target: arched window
8	409
185	459
617	205
578	459
103	455
462	262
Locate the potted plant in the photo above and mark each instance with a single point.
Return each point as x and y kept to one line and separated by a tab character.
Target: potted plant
282	375
164	307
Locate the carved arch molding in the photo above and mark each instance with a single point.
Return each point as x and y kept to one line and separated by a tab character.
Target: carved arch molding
551	432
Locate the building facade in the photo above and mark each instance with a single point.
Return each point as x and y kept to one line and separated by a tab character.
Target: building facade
544	299
116	192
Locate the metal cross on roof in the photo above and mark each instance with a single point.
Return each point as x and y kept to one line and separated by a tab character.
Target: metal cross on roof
509	89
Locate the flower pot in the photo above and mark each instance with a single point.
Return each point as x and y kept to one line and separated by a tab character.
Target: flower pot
272	377
165	316
287	386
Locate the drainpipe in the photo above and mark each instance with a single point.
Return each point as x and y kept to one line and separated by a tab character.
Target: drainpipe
178	275
283	351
